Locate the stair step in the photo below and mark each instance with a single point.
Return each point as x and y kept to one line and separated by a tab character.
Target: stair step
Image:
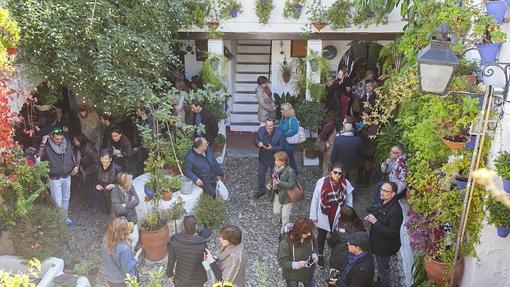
245	98
246	58
244	128
251	49
254	42
259	68
245	107
244	117
249	77
246	87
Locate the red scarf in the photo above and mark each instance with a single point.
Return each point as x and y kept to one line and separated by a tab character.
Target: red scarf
332	192
268	92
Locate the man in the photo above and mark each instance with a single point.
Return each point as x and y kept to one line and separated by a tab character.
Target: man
269	140
396	168
89	125
62	165
185	255
359	270
203	117
368	97
346	151
385	222
106	121
201	166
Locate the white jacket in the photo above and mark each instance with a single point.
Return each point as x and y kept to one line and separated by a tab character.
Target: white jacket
315	207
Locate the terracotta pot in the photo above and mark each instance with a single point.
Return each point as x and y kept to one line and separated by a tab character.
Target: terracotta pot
146	198
456	142
218	148
167	196
311	153
155	243
319	26
213	25
11	51
439	273
172	170
286	78
471	79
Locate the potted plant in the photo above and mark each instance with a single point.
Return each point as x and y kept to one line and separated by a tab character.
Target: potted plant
491	38
502	164
286	71
311	151
88	268
210	212
499	215
292	9
317	15
263	10
174	184
230	9
310	114
219	143
339	15
496	9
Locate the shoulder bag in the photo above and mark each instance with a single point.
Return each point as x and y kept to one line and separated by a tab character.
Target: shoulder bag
299	137
295	194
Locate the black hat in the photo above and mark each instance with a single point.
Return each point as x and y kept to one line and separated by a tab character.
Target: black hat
359	239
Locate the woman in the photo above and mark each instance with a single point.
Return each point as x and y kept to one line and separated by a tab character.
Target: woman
118	259
327	139
231	263
289	125
366	131
179	105
105	180
264	98
283	178
348	224
297	254
122	151
185	255
88	163
331	193
124	200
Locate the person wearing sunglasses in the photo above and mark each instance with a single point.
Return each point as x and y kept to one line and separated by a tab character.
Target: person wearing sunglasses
57	150
331	193
297	254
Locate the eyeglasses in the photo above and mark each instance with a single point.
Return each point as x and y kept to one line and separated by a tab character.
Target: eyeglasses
384	190
57	131
309	262
336	172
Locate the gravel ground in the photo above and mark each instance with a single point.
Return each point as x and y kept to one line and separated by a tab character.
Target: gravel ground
258	223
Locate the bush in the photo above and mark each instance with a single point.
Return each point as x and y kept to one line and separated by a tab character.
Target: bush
86	267
499	214
210	212
41	233
503	165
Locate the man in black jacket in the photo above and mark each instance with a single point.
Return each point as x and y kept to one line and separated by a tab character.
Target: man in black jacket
346	151
359	270
185	254
203	117
385	231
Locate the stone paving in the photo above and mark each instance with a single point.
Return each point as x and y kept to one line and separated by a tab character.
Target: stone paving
258	223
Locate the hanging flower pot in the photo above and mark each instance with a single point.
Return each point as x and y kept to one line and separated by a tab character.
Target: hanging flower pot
11	51
439	272
461	181
213	25
496	9
488	52
319	26
455	142
296	10
471	143
234	12
472	79
286	78
503	231
506	185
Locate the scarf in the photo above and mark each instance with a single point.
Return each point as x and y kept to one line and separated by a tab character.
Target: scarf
276	174
268	92
352	260
332	192
59	149
401	168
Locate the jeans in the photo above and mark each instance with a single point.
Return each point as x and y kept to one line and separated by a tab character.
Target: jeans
60	190
310	283
261	173
292	159
383	269
283	209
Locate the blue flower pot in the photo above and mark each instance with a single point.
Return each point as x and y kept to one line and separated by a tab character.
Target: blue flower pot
506	185
460	183
233	13
149	191
496	9
298	7
488	52
471	143
503	231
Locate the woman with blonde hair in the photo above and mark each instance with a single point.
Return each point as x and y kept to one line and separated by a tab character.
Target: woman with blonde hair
289	125
118	259
283	178
124	201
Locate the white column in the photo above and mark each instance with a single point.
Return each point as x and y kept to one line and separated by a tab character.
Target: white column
314	77
216	47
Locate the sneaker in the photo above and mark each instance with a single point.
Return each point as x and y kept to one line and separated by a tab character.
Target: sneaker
70	222
320	263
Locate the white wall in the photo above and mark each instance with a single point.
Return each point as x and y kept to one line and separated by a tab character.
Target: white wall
247	21
192	66
493	265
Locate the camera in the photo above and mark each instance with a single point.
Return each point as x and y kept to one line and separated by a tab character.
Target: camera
333	274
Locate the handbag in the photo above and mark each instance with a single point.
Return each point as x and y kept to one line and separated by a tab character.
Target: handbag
296	193
299	137
221	190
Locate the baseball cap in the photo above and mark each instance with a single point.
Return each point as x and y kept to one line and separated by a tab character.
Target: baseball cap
359	239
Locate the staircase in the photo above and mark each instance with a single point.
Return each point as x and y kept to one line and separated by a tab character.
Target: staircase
253	60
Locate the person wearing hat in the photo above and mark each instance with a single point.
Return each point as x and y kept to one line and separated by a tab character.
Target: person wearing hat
57	150
359	270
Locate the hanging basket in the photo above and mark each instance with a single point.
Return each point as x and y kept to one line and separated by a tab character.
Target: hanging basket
234	13
503	231
506	185
488	52
455	142
460	182
496	9
319	26
286	78
213	25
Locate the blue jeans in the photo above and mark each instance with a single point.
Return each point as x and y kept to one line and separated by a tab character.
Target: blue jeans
292	159
383	269
89	187
60	190
310	283
261	173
